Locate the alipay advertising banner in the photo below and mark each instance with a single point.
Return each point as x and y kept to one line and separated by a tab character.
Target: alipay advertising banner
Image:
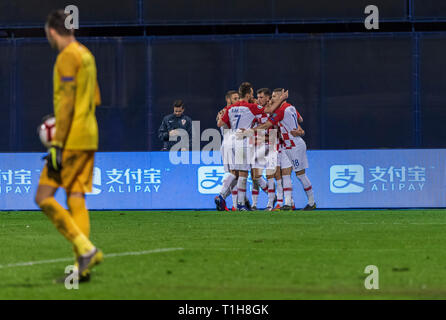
151	180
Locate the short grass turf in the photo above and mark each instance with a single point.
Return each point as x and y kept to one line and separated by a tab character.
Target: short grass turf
255	255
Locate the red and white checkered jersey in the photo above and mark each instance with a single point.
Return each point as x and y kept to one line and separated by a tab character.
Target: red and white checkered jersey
241	115
258	120
261	119
286	117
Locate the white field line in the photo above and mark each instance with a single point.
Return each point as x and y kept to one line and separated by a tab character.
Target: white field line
111	255
373	223
342	250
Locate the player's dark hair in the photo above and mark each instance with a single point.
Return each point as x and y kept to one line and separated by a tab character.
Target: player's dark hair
278	90
56	20
230	93
265	91
178	103
245	88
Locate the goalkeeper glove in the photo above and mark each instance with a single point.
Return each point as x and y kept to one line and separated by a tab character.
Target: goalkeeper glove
54	158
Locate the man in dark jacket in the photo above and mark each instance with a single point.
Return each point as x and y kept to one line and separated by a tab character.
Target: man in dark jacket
172	122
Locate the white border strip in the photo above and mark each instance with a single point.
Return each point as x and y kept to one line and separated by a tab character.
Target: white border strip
111	255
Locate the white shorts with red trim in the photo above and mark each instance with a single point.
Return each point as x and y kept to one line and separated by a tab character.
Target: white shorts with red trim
295	157
240	160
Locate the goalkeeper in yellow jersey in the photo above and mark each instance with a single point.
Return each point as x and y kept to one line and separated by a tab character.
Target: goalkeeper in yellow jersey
70	159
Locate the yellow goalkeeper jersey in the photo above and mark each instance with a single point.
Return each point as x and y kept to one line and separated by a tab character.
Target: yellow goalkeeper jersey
75	69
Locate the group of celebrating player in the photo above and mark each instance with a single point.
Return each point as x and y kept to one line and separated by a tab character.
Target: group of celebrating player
259	134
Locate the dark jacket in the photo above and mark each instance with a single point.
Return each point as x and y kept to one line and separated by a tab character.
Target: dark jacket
171	122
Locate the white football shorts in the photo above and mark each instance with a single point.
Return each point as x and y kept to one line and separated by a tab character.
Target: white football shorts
295	157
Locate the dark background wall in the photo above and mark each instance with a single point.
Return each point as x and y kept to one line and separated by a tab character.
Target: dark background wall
354	90
182	12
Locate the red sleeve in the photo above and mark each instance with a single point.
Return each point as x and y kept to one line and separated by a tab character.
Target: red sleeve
277	116
298	114
225	118
255	108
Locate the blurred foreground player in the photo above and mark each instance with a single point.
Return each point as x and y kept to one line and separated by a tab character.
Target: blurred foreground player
70	159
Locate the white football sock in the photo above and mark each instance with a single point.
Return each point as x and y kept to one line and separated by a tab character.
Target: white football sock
279	192
263	184
255	193
226	188
307	187
241	189
271	193
234	197
231	187
287	189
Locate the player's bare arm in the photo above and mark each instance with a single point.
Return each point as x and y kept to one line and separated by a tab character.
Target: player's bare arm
274	105
299	132
220	114
221	124
268	124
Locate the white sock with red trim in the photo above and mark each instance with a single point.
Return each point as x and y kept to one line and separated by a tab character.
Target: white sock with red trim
234	197
279	192
271	192
307	187
287	189
255	193
263	184
228	182
241	189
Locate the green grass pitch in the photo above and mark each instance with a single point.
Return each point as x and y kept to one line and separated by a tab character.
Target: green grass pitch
255	255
